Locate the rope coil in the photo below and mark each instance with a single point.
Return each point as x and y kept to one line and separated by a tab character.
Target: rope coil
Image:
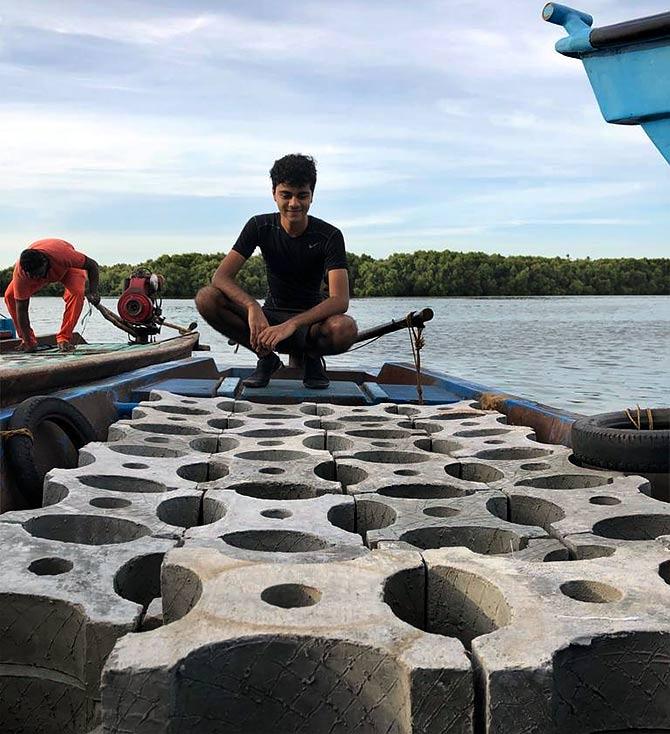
17	432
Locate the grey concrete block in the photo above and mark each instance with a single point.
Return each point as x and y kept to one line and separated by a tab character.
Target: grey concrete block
477	521
559	647
287	530
291	648
68	590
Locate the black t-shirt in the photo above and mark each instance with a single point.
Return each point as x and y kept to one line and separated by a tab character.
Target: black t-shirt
295	265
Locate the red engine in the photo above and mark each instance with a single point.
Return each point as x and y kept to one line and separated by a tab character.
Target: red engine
140	302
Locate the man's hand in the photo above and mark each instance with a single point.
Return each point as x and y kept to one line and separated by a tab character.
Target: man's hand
272	335
257	323
93	298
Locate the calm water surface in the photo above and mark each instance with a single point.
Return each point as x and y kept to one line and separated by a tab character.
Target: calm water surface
586	354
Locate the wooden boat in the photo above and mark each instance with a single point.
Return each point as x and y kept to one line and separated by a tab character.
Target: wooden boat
23	375
628	65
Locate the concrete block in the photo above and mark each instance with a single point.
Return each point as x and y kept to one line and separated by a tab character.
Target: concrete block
291	648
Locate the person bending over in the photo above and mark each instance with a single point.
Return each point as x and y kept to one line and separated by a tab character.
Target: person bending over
51	261
299	252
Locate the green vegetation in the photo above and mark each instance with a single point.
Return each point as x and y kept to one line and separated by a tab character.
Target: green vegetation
422	273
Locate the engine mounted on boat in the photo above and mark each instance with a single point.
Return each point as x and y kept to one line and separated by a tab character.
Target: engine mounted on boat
141	301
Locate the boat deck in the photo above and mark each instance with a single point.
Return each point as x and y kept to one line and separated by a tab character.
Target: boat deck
320	567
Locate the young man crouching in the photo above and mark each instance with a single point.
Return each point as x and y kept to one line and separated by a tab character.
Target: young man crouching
298	250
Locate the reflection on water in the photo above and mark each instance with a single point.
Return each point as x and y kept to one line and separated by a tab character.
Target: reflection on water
587	354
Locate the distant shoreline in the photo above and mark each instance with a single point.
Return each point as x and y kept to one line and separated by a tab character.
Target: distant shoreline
426	273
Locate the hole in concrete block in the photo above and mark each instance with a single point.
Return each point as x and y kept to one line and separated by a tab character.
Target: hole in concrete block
157	439
349	475
271	442
269	455
592	694
275	490
380	433
588	552
180	410
471	472
497	506
371	515
359	419
633	527
407	472
182	512
139	579
592	592
382	444
120	483
221	424
440	511
494	441
176	418
534	511
110	503
235	406
134	465
558	554
85	529
275	541
404	592
205	444
513	453
488	541
464	605
502	419
664	571
421	491
268	416
343	516
565	481
50	566
483	432
159	452
277	514
272	470
316	409
203	471
535	466
165	428
272	433
328	443
290	596
604	500
454	416
325	685
391	457
226	443
438	445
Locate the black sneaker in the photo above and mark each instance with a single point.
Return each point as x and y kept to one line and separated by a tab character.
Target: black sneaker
315	377
265	368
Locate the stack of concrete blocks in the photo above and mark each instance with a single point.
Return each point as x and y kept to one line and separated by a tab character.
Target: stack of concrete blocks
316	568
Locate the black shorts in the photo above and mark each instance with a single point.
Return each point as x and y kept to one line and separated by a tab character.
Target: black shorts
296	343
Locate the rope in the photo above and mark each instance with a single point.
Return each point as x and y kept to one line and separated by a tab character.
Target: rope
17	432
85	318
365	344
417	342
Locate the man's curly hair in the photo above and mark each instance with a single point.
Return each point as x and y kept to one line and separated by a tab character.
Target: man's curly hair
295	170
32	260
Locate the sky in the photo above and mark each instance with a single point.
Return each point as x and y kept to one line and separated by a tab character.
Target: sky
133	129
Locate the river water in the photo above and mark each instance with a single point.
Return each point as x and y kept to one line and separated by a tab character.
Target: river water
589	354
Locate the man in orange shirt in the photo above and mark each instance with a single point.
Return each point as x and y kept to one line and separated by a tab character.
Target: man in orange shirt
51	261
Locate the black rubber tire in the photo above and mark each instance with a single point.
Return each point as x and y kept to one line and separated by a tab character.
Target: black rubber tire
20	449
610	441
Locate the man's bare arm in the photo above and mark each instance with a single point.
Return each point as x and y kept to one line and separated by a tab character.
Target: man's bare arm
93	272
23	319
336	303
224	280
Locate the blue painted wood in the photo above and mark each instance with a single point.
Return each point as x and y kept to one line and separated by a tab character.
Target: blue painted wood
228	388
190	388
630	81
432	394
345	393
376	393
